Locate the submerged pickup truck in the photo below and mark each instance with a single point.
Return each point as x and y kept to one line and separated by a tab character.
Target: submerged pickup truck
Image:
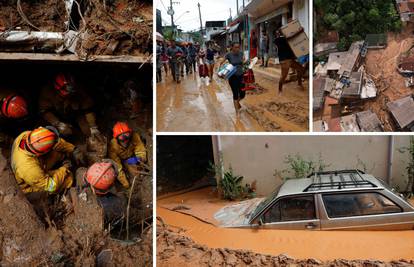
333	200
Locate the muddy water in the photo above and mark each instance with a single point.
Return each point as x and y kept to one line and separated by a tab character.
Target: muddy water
193	106
323	245
203	204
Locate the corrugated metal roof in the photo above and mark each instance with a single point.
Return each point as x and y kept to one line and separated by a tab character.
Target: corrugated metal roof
349	124
376	40
351	58
368	121
403	111
318	92
354	88
335	60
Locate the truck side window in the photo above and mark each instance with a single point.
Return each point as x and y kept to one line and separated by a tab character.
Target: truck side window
358	204
291	209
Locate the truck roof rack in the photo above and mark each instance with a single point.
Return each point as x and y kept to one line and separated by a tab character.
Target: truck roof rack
343	179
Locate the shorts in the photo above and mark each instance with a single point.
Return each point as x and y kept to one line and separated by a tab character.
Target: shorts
210	62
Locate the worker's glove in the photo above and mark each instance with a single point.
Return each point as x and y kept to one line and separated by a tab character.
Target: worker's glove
67	164
133	161
140	158
64	128
78	157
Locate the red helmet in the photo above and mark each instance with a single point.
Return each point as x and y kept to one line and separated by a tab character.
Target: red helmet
101	176
64	84
14	107
41	141
121	128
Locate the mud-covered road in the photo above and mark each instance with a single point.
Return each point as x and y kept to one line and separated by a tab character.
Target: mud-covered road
192	106
322	245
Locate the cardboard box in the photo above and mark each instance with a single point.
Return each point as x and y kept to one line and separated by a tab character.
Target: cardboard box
291	28
299	44
296	37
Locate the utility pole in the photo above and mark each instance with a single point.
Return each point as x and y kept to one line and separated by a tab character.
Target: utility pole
243	5
237	7
230	12
201	21
171	10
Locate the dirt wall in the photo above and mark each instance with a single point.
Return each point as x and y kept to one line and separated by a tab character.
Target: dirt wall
23	238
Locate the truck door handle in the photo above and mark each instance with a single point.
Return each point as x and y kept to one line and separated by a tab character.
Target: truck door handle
310	226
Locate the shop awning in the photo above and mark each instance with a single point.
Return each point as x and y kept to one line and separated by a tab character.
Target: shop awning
234	28
259	9
216	33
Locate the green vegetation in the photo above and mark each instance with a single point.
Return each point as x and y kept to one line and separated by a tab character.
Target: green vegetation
299	167
409	189
230	185
354	19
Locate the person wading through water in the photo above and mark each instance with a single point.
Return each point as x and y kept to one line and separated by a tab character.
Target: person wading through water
236	58
287	60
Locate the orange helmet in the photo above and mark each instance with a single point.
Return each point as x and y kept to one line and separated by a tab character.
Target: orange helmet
121	128
14	107
64	84
101	176
41	140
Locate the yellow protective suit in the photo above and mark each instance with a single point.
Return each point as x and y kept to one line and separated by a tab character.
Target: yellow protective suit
118	154
35	174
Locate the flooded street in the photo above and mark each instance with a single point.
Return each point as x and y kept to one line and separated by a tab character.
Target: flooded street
192	213
191	106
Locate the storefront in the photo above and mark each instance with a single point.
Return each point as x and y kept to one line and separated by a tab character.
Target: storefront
281	12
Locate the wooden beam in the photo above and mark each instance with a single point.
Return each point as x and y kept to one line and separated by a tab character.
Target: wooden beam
73	58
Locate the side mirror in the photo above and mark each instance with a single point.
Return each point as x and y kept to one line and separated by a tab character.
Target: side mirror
260	221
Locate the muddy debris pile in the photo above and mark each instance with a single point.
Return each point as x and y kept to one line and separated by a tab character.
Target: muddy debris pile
36	15
259	115
123	27
291	111
258	90
84	28
174	249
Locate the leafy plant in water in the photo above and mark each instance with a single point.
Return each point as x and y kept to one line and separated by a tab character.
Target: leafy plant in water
231	185
299	167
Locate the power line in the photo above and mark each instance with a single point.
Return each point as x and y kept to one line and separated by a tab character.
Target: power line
162	3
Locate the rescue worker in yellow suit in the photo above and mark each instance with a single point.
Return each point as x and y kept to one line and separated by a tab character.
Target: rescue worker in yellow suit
66	99
126	150
13	107
34	157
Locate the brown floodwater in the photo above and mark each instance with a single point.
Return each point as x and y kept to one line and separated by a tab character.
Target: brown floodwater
193	106
199	225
